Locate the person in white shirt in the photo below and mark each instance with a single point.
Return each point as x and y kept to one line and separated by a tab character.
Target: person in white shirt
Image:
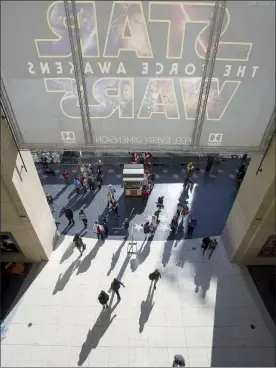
153	224
111	189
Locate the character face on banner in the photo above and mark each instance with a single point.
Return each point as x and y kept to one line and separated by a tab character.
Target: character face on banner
126	91
57	23
127	31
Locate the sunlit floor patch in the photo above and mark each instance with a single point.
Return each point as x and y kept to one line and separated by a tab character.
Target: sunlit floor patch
201	308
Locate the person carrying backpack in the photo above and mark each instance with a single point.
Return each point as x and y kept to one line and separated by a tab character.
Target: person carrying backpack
155	276
103	299
79	243
115	286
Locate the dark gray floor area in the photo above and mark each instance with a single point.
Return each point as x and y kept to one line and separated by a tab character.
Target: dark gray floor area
264	279
210	200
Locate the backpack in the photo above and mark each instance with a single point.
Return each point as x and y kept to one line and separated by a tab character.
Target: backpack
102	298
115	285
99	229
151	276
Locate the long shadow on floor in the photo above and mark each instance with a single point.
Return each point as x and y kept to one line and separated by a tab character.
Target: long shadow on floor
168	249
146	308
141	256
61	192
68	252
202	279
86	262
63	279
96	333
115	258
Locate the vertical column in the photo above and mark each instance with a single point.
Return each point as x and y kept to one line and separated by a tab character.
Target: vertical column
252	218
24	209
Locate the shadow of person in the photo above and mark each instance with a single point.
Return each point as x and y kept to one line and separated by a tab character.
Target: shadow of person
61	192
63	279
168	249
96	333
115	257
67	228
141	256
146	308
180	232
202	280
182	256
69	251
86	262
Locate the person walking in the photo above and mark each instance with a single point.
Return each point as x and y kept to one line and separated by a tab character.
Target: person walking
178	361
112	190
179	209
153	224
69	214
91	182
215	166
109	199
103	299
185	210
50	202
105	227
99	180
115	286
190	171
76	183
146	228
84	183
155	276
209	164
79	243
205	244
65	176
115	206
174	224
212	246
83	217
99	167
126	228
191	226
99	230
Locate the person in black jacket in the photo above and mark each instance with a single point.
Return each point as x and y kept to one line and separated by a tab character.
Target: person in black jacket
103	299
69	214
126	228
178	361
209	164
115	286
155	276
146	228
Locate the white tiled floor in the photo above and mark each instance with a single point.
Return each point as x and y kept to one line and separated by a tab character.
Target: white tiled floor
201	309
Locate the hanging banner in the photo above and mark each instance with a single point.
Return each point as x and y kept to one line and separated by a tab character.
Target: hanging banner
143	65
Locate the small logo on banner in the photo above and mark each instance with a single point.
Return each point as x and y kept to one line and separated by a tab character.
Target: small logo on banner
68	137
215	139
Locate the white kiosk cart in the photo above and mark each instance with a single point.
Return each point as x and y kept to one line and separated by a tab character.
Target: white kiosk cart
133	176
